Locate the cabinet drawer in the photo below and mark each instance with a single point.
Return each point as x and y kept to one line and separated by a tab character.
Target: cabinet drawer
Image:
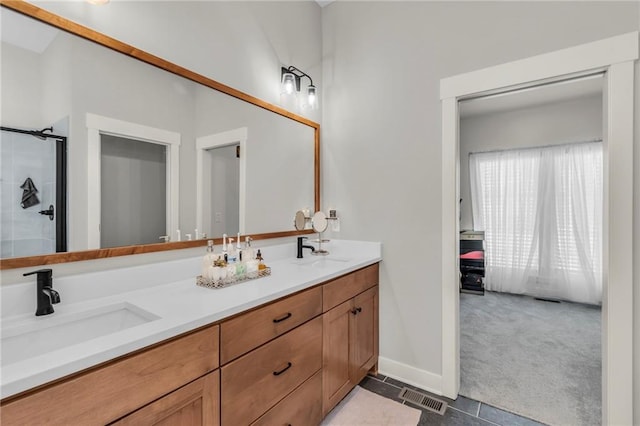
245	332
302	407
252	384
337	291
107	393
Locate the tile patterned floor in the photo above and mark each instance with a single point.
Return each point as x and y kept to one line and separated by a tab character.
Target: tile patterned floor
461	412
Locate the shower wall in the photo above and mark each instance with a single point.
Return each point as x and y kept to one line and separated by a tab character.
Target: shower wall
25	232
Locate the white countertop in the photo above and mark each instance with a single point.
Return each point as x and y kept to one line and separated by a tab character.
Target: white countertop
167	291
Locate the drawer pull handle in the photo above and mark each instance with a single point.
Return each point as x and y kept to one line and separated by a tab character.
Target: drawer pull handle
287	316
277	373
356	311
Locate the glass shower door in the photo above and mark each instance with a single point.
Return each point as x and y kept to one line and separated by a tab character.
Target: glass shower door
27	187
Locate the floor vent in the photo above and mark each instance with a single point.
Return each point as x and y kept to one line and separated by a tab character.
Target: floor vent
424	401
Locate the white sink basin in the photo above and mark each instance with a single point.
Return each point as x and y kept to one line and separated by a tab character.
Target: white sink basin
320	262
33	336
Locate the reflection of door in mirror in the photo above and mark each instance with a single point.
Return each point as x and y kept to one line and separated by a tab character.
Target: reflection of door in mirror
133	191
133	180
221	182
222	190
33	191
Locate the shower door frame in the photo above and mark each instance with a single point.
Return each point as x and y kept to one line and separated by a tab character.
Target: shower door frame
60	211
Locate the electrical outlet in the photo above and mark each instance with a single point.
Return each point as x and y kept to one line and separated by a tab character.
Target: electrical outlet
218	217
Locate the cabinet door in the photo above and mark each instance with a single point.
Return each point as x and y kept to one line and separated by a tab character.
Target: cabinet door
195	404
106	393
363	334
335	355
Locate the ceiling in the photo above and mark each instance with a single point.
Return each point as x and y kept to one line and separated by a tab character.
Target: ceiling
24	32
533	96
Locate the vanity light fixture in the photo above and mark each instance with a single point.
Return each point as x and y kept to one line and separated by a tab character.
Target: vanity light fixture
290	80
97	2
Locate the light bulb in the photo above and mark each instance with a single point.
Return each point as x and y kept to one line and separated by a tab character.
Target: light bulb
288	83
313	100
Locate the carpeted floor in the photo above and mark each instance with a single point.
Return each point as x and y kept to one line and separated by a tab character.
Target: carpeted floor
541	360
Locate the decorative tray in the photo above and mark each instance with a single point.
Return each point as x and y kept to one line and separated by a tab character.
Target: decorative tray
228	281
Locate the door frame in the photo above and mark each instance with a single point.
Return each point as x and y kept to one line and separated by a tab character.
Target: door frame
615	56
98	125
218	140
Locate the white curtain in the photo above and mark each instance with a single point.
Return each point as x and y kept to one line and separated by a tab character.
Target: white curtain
541	211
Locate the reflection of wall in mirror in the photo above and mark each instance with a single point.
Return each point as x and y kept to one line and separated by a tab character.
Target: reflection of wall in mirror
116	86
110	84
26	105
279	155
21	95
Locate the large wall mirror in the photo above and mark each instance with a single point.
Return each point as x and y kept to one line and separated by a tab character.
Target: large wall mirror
154	152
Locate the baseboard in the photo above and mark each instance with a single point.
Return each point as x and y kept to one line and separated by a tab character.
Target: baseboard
410	375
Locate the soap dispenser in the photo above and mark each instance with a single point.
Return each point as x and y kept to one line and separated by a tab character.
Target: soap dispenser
247	252
231	252
208	259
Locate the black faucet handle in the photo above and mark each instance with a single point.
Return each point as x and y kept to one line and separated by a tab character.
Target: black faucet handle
55	296
45	272
44	279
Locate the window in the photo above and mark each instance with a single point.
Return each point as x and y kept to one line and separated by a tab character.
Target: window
541	211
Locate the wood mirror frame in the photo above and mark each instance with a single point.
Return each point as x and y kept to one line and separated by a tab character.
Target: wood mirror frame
71	27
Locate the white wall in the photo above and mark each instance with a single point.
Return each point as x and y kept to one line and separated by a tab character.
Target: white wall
20	81
383	63
577	120
636	252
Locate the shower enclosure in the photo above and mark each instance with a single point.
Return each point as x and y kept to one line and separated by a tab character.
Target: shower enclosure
33	192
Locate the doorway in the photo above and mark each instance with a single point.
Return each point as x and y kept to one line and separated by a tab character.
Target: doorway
130	148
221	206
133	190
615	57
531	187
221	182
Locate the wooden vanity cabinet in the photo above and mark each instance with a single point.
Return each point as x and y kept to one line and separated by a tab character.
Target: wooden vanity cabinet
195	404
108	392
267	374
287	362
350	333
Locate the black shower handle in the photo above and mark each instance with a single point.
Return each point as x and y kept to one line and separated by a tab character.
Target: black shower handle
48	212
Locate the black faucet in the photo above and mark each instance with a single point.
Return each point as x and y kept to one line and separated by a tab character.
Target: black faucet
301	246
45	294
